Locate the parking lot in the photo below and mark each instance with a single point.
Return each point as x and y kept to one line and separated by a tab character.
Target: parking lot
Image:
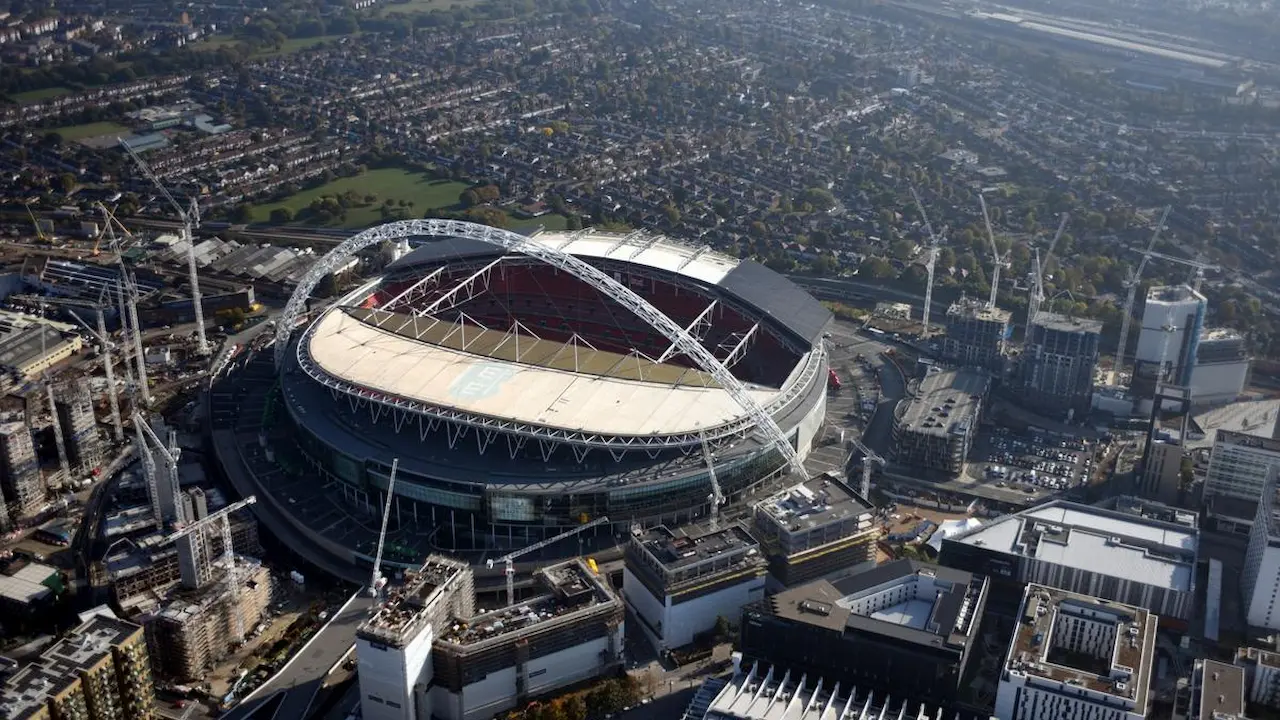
855	361
1034	462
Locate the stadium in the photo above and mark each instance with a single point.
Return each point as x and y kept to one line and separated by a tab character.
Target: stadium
522	399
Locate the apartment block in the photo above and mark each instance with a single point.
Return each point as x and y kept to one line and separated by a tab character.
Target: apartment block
935	427
815	528
20	479
74	404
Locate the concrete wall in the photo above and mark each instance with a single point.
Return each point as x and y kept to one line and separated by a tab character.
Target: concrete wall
652	610
685	620
391	675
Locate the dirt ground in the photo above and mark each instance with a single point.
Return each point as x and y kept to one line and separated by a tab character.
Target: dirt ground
908	517
296	603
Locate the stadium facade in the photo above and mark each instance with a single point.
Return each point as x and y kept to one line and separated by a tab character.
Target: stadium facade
522	401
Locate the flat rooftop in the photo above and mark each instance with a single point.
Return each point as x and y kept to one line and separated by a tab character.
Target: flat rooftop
969	309
25	346
89	643
1064	323
945	402
1222	688
345	347
25	583
814	503
404	612
1122	670
1173	294
688	546
1083	537
908	601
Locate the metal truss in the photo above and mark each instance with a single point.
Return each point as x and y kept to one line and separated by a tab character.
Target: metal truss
740	349
475	284
597	278
416	291
696	328
692	257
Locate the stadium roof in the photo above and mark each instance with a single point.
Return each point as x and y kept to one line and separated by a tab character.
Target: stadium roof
352	351
770	294
1088	538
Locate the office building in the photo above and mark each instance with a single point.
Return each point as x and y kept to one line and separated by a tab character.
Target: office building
20	478
197	628
570	632
904	629
393	647
1057	365
1076	657
976	335
760	691
1262	675
1239	467
74	403
1222	367
1172	324
1216	692
679	582
1117	556
1161	476
815	528
1260	579
99	671
934	428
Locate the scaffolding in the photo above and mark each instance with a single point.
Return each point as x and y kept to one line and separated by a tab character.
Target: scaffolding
74	406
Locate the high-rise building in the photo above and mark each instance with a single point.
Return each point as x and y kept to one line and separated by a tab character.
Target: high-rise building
1260	579
1262	673
1161	476
1222	368
1239	467
20	478
976	334
1216	692
99	671
199	508
1077	657
74	403
935	427
1058	362
815	528
1172	323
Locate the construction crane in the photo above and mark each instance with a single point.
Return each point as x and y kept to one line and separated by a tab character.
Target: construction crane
231	579
869	456
378	581
717	497
1131	284
996	260
35	224
1198	268
930	263
171	453
104	338
190	218
508	560
1037	279
58	439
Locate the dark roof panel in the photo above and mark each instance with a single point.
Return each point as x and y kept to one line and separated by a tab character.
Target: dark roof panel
778	298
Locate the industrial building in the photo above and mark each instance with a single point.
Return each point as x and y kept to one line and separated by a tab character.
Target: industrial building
1077	657
904	629
1216	692
815	528
29	351
759	691
1172	323
1239	469
74	404
976	334
1222	368
1057	364
28	586
679	582
934	428
1118	556
99	671
198	627
570	632
24	488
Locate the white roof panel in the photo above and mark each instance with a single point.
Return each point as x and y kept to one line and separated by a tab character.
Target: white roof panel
1108	525
648	250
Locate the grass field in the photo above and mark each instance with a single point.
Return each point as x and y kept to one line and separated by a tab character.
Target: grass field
35	96
288	47
420	6
79	132
388	184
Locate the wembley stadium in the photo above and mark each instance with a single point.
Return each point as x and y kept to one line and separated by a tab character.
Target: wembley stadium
529	384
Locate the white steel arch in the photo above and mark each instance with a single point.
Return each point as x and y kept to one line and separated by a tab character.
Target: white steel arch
514	242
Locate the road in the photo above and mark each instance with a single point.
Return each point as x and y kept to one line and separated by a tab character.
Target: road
302	677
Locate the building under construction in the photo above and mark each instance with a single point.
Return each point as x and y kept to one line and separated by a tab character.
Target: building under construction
24	488
976	334
680	582
1057	364
934	428
74	404
198	628
815	528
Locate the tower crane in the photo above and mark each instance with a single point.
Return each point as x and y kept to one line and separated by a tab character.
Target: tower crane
171	454
717	497
231	579
35	224
128	301
997	261
869	456
58	439
930	263
1037	280
1131	283
1198	268
509	559
190	218
378	581
100	334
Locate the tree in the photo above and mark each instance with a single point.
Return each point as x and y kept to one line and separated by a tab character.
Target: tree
819	199
281	216
242	214
575	708
67	182
724	629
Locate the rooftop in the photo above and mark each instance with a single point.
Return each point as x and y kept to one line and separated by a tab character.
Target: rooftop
25	346
27	583
1219	335
765	692
1120	668
1065	323
814	503
406	609
26	693
909	601
1173	294
391	366
945	402
89	643
687	546
1083	537
971	309
1222	689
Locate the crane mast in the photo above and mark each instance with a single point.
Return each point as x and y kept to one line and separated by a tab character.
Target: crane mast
1037	280
997	261
869	456
231	578
171	455
377	581
190	220
509	560
1134	279
58	439
929	265
717	497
